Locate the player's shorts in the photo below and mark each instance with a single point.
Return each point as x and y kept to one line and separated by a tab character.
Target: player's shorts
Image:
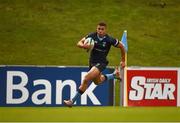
100	66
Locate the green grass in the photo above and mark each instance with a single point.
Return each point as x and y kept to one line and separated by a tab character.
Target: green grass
45	32
90	114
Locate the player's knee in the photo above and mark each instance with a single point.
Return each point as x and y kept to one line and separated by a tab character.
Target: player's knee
96	81
86	79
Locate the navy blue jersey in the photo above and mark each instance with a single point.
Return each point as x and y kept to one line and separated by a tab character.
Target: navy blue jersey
101	47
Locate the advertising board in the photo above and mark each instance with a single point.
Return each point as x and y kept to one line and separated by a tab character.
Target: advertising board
152	87
49	86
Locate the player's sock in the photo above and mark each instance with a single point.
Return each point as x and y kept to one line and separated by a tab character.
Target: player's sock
78	94
109	76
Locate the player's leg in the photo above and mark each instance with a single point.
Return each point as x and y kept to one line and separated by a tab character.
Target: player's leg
98	78
93	73
101	78
114	75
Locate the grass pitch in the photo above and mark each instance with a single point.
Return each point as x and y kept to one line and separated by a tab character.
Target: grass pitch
45	32
90	114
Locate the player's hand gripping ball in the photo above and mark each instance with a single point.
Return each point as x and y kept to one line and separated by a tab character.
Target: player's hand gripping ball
90	44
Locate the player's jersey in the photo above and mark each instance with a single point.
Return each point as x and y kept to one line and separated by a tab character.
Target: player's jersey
101	47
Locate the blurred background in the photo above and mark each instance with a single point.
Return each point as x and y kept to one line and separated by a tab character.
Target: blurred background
45	32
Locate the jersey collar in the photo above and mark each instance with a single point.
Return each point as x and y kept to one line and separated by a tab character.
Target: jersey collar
101	38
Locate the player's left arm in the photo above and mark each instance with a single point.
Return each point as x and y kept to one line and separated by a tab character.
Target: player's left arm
120	45
116	43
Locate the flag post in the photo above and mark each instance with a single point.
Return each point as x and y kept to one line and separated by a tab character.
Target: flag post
123	73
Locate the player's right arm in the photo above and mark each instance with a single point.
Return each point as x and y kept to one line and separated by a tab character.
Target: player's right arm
81	44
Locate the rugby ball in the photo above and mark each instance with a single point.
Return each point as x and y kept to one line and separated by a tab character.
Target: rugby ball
89	41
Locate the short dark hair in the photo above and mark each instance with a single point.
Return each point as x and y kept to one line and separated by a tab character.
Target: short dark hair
102	24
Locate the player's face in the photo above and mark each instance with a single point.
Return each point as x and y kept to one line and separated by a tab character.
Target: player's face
101	30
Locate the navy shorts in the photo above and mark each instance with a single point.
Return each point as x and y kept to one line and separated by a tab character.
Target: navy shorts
100	66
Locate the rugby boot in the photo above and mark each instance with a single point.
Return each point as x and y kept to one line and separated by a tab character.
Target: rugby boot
68	103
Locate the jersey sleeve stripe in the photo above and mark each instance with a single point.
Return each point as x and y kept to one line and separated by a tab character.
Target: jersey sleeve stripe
117	42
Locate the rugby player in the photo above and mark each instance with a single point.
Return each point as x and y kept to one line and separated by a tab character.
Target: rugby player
98	61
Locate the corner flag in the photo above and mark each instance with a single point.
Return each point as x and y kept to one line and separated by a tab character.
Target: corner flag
124	40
